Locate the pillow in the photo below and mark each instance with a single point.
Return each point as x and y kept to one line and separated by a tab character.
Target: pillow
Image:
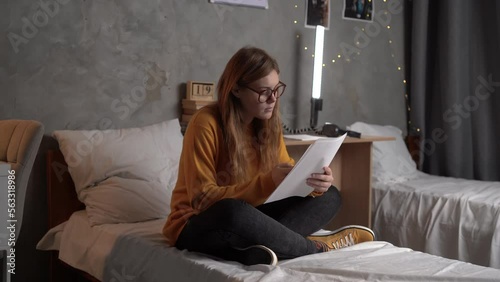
123	175
391	160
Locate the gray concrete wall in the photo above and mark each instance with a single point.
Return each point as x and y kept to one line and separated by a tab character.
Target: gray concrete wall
83	64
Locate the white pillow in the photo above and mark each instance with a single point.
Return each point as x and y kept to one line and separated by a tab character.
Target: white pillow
123	175
391	160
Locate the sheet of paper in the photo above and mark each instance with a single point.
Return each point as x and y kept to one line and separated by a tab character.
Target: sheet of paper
318	155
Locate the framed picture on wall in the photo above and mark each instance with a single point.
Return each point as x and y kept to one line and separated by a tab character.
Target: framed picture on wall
250	3
317	13
358	10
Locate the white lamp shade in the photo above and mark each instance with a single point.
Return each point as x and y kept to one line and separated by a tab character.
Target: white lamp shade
318	61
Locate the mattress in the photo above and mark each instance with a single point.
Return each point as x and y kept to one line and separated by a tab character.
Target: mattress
138	252
445	216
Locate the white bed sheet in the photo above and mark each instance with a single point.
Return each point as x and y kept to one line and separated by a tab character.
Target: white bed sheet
444	216
148	258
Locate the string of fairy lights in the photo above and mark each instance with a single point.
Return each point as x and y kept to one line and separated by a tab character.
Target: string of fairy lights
338	57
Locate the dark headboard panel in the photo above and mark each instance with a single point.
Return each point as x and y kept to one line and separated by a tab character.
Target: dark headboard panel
413	145
61	194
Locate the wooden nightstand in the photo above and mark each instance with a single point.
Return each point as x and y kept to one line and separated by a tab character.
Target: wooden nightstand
352	173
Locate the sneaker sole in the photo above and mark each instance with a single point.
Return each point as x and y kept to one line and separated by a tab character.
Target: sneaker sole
328	233
274	258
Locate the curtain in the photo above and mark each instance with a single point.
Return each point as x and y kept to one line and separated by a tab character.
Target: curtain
455	86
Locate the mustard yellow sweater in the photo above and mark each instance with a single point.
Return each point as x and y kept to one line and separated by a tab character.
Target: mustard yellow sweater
205	176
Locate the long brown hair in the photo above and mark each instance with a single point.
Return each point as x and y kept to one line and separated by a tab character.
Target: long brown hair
246	66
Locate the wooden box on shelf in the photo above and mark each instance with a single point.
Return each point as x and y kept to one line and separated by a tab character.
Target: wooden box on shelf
198	95
195	104
197	90
189	108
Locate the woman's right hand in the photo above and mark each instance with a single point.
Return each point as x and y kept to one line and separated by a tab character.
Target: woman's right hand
280	171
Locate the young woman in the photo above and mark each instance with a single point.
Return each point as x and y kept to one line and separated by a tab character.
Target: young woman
233	158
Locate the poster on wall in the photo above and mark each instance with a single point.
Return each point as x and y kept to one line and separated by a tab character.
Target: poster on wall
358	10
317	13
250	3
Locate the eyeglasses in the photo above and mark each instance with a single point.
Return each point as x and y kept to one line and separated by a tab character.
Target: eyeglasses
266	93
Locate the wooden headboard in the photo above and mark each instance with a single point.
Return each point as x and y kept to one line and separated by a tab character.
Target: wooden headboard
61	195
62	203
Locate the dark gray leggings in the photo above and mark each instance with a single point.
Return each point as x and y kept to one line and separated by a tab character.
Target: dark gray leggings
281	226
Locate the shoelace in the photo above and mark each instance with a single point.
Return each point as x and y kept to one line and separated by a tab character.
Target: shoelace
347	241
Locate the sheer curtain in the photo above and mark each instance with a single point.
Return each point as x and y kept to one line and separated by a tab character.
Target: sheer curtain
455	86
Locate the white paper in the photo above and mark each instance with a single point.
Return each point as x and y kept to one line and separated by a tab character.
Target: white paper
318	155
322	232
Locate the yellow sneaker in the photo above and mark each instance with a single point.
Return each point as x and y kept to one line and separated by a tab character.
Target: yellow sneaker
343	237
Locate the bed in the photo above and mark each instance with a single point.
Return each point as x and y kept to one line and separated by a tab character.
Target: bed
127	244
445	216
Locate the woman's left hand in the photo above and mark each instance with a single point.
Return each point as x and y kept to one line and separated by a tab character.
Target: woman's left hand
321	181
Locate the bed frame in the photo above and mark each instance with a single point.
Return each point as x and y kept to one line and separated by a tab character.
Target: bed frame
62	203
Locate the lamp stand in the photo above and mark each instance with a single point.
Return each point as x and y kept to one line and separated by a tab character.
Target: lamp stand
316	106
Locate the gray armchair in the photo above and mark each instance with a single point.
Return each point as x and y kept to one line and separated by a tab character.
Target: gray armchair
19	143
